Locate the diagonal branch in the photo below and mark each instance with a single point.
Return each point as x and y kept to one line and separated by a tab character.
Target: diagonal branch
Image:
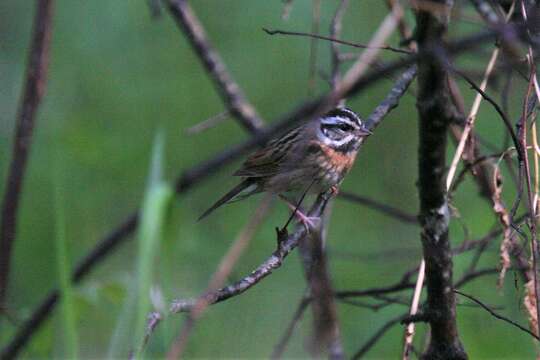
218	279
285	246
34	88
497	316
379	206
334	40
196	174
232	95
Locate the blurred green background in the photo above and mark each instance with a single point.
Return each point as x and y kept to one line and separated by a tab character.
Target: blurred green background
116	78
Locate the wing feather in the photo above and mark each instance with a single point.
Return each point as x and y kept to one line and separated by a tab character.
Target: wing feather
267	161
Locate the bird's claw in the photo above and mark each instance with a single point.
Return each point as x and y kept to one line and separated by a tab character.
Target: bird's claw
309	222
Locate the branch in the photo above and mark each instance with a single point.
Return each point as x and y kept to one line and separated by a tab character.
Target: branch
376	337
34	88
279	349
232	95
392	99
334	40
487	12
335	31
379	206
196	174
326	327
435	111
285	246
40	314
220	275
497	316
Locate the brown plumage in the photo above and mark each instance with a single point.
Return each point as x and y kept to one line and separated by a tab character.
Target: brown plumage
318	153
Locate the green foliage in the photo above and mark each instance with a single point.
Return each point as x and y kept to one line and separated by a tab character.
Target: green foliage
116	76
132	322
63	263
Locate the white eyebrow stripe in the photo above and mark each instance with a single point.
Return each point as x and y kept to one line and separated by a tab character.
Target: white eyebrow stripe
338	119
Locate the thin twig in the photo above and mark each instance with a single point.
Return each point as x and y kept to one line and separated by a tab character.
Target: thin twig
487	12
474	111
334	40
497	316
326	332
315	24
208	123
34	89
531	208
285	246
232	95
379	206
335	32
195	175
279	349
532	88
220	276
404	30
378	334
409	329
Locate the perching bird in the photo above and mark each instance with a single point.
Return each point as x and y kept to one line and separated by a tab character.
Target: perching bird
316	156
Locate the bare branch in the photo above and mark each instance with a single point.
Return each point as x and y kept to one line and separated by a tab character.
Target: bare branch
334	40
315	24
376	337
208	123
220	276
392	99
409	329
285	246
279	349
335	32
436	110
497	316
487	12
379	206
326	327
34	89
231	93
198	173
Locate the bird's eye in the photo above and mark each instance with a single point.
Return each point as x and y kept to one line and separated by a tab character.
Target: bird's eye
344	127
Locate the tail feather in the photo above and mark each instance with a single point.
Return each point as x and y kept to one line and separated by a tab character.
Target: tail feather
242	190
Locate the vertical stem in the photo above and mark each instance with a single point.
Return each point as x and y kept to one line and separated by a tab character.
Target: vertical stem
435	110
34	89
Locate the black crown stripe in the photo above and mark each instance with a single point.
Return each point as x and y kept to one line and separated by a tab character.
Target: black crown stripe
346	113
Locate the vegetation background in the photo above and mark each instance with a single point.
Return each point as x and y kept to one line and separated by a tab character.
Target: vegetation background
117	77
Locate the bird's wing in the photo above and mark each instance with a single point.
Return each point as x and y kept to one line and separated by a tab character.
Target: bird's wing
269	160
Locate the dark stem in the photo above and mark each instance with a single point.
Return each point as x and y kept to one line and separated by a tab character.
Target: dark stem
325	321
196	174
379	206
279	349
285	246
333	40
34	88
436	112
230	92
497	316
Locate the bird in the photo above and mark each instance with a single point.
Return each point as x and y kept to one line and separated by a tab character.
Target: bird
314	157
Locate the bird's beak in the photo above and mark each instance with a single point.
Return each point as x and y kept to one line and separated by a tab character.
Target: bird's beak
363	131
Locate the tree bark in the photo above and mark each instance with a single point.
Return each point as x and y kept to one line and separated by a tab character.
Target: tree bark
436	111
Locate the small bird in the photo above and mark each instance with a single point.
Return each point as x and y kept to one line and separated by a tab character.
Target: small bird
314	156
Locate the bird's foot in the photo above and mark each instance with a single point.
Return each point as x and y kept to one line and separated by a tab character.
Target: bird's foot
309	222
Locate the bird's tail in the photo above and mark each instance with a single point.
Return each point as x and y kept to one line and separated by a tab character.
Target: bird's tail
242	190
